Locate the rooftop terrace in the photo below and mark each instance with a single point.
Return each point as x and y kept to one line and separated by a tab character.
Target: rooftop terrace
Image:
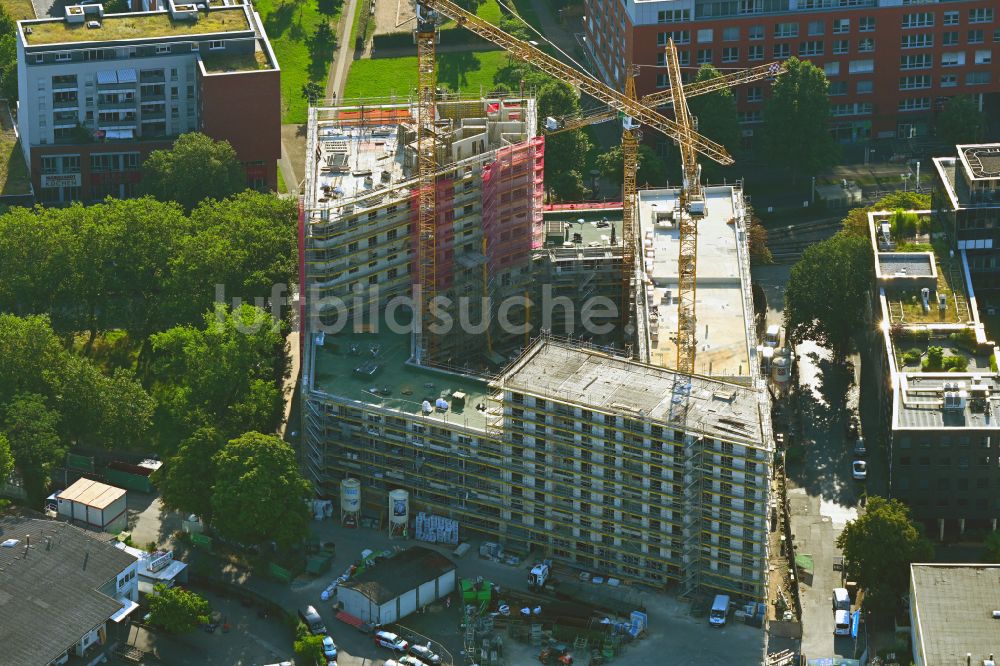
595	228
564	371
372	368
136	25
982	162
722	336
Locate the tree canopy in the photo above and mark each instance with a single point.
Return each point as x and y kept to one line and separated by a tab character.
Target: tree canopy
652	170
176	610
829	290
6	459
856	222
564	152
796	120
196	168
223	375
187	479
961	121
259	493
717	119
879	546
32	430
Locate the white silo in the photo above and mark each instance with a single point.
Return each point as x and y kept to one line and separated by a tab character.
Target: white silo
350	502
399	512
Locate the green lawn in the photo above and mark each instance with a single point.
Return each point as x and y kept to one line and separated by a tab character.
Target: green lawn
381	77
290	26
526	10
14	178
19	10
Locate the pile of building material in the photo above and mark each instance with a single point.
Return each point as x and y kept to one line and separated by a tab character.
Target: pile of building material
436	529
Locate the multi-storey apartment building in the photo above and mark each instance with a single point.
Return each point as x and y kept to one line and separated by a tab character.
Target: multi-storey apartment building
968	202
891	63
603	463
98	92
940	387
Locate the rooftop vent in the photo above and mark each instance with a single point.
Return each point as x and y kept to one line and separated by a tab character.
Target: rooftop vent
9	543
93	24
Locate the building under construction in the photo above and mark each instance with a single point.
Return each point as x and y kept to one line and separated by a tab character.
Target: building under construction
523	423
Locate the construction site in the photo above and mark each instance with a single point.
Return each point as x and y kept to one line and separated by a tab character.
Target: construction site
578	385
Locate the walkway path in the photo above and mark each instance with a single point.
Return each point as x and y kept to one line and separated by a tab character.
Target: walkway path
345	54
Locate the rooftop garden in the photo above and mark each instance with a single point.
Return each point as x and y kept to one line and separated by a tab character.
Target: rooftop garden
138	26
241	62
954	352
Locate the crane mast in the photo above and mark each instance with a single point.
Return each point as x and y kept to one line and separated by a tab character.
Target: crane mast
630	163
426	36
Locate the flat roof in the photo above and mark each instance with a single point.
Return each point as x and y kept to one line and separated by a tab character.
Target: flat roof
371	368
982	161
953	607
566	372
723	347
49	592
906	264
920	400
595	227
92	493
135	25
354	161
240	62
399	574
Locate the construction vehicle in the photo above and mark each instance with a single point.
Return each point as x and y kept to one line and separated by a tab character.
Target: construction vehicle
555	654
539	575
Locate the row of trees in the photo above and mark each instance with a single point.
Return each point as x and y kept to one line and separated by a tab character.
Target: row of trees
141	264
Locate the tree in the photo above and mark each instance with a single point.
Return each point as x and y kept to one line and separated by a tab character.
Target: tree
961	121
856	222
195	168
219	375
176	610
308	649
6	459
312	92
515	27
717	120
259	493
187	479
828	291
760	253
796	120
651	169
564	152
879	547
992	548
32	430
113	412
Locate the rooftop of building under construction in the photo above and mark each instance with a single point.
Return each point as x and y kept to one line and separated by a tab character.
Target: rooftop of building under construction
723	286
371	367
618	385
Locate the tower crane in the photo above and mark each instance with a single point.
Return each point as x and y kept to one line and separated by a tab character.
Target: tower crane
634	112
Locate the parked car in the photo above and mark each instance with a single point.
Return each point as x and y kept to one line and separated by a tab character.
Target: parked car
853	427
409	660
387	639
329	648
310	616
425	654
859	469
859	447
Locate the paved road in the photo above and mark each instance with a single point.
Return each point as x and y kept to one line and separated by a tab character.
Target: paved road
345	54
825	496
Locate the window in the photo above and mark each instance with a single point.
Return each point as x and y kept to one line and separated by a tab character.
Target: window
917	41
705	36
984	57
918	20
840	26
755	52
755	94
956	59
981	15
731	34
996	36
662	81
749	116
216	45
914	82
704	56
951	18
866	24
920	61
866	45
811	48
679	37
661	59
731	54
976	37
673	16
784	30
837	88
684	58
949	80
950	38
977	78
861	66
63	56
865	87
831	68
755	32
841	46
782	51
816	28
915	104
162	48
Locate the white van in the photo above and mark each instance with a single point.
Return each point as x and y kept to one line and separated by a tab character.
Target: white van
720	610
841	600
841	623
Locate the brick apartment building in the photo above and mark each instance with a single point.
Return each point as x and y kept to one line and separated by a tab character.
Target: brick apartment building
99	91
891	63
